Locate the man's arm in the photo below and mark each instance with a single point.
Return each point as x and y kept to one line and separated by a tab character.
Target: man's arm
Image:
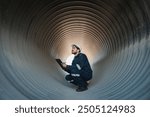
66	68
72	69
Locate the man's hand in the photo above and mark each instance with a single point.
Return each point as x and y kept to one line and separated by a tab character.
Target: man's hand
64	65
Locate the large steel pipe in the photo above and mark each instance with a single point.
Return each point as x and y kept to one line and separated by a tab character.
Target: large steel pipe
114	34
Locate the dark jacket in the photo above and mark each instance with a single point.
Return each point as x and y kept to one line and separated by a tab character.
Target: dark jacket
80	65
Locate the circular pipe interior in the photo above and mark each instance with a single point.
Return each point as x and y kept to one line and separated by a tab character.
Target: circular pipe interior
114	34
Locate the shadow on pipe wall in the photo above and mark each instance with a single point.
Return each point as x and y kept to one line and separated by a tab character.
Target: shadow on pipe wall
114	34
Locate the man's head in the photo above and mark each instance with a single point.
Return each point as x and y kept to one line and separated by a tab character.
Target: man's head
75	49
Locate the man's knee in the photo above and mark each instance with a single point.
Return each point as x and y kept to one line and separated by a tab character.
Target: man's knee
68	77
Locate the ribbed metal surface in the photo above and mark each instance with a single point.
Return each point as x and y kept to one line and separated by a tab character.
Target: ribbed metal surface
115	35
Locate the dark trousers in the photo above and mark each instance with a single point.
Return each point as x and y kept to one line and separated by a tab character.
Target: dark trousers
76	81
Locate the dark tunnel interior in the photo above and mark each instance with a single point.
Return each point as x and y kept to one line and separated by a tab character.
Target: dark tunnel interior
114	34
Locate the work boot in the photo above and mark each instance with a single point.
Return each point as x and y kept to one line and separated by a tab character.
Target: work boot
79	89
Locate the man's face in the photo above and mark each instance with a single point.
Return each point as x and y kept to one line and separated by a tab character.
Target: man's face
74	50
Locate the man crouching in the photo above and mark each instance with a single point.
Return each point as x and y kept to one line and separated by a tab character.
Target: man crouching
80	71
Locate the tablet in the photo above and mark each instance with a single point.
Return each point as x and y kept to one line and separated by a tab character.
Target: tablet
59	62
